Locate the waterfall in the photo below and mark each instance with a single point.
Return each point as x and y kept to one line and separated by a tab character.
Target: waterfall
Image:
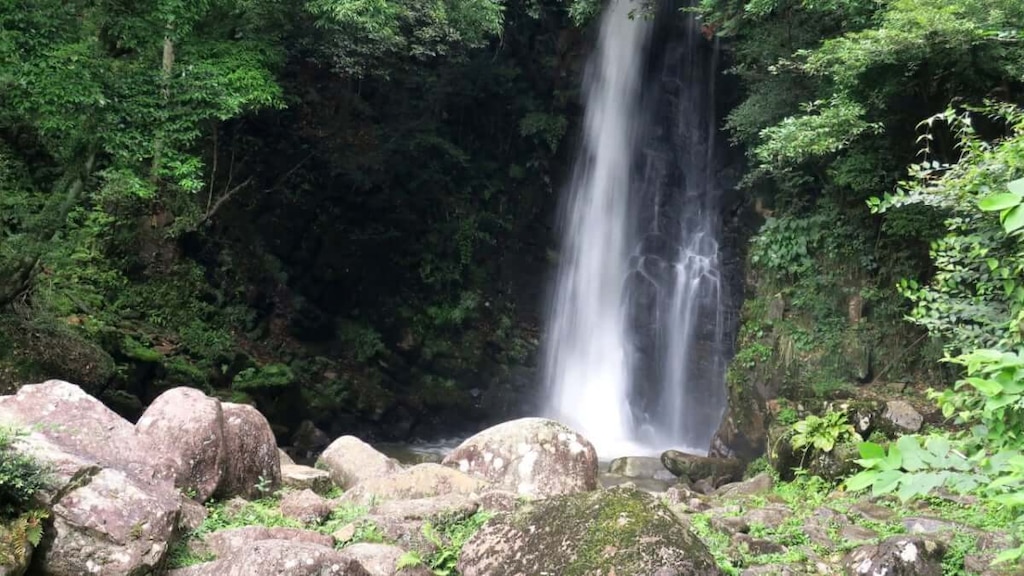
635	349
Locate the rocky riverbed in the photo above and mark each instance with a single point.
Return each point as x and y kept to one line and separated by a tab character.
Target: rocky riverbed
198	488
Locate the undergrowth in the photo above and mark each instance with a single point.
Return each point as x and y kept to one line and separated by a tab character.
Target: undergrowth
447	535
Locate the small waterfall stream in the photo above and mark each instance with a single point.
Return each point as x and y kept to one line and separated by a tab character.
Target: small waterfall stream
635	355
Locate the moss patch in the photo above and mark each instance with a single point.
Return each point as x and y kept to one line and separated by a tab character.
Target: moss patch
620	531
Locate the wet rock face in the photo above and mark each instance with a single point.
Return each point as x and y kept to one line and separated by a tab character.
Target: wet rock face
533	457
618	531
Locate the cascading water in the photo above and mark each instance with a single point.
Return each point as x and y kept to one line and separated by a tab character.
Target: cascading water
635	355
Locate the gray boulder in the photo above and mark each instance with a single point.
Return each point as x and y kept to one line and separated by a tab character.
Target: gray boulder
533	457
420	481
640	467
80	425
305	477
188	425
305	506
382	560
351	461
252	466
618	531
278	558
696	468
403	521
108	525
225	543
902	417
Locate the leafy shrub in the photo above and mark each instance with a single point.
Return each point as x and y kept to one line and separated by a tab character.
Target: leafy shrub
823	432
987	459
269	376
21	478
974	298
448	538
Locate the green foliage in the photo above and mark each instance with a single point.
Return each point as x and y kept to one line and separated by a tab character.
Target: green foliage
757	466
364	341
269	376
449	538
824	128
974	299
992	395
823	432
266	512
16	535
988	460
21	477
365	37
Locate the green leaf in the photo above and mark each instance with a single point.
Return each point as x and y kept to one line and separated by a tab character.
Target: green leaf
986	387
1017	187
1014	219
913	455
1009	555
861	481
1002	201
894	461
886	482
871	451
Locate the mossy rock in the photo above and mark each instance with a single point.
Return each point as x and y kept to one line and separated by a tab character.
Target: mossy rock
695	468
834	465
35	352
617	531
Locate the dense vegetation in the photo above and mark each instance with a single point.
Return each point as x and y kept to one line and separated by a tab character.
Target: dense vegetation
885	149
339	209
335	208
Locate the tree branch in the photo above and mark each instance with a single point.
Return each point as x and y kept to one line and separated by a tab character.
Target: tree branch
220	201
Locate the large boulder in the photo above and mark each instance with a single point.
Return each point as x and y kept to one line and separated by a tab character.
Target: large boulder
188	425
278	558
225	543
252	467
699	467
382	560
420	481
108	525
534	457
113	505
305	477
80	425
618	531
350	461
